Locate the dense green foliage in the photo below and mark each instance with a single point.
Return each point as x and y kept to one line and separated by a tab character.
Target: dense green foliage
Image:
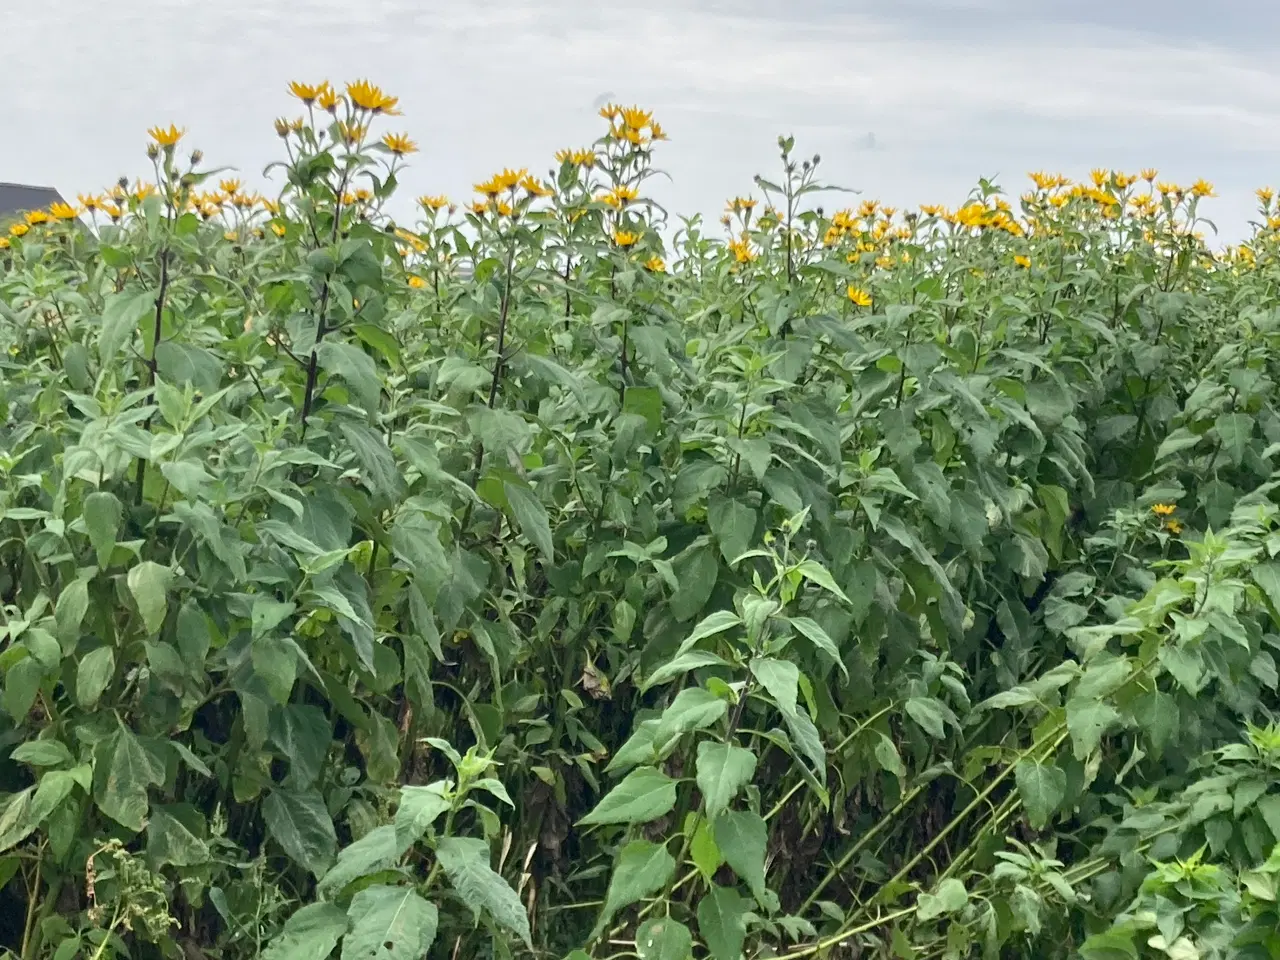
551	580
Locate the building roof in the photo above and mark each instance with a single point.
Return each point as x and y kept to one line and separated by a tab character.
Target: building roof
16	198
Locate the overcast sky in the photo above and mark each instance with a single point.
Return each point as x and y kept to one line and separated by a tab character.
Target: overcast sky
910	101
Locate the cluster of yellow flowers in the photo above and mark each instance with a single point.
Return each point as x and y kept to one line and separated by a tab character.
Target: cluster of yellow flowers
632	125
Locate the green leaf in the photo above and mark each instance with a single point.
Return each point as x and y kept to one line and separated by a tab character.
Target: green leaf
723	770
693	709
733	524
302	734
709	626
102	514
887	756
355	367
299	821
16	820
389	923
696	572
664	939
930	714
42	753
309	934
21	684
1042	787
743	838
950	897
93	674
781	679
703	850
647	402
722	921
815	572
682	664
531	515
376	851
643	867
465	861
1109	945
122	778
419	808
120	318
171	839
149	584
644	794
1087	721
820	639
1234	430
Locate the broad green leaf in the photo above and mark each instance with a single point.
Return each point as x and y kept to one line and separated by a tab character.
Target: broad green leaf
644	794
302	734
299	821
781	679
709	626
950	897
419	808
664	939
124	773
41	753
888	758
102	514
813	571
171	838
723	769
355	367
1234	430
692	709
743	839
16	819
733	524
682	664
21	684
465	861
820	639
149	584
642	868
376	851
1087	721
703	850
696	572
93	674
1042	787
120	318
389	923
310	933
722	921
531	515
930	714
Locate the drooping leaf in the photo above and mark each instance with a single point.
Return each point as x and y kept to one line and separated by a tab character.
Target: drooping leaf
781	679
722	921
642	868
376	851
149	584
743	839
123	776
1042	787
102	514
531	515
723	769
299	821
465	861
664	939
310	933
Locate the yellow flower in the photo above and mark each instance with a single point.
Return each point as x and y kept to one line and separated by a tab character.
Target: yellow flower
1202	188
636	118
63	211
858	296
1168	188
230	235
433	203
1099	176
277	229
625	238
166	137
1173	526
364	194
113	211
656	132
36	217
508	179
327	98
1163	509
18	229
1024	262
741	250
230	187
610	111
399	144
417	282
351	133
534	187
656	264
479	207
505	209
366	96
271	206
4	243
306	92
1264	195
90	201
1149	174
619	196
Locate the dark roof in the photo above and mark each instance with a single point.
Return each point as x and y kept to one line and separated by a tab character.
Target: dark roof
19	198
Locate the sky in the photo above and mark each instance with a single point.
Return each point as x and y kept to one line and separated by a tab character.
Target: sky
907	101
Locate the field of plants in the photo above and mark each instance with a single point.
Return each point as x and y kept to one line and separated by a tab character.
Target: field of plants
555	578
